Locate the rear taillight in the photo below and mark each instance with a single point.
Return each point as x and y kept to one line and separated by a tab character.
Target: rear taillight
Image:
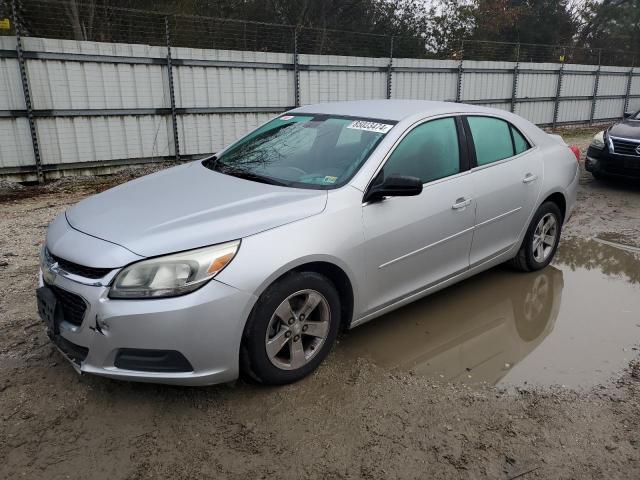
576	151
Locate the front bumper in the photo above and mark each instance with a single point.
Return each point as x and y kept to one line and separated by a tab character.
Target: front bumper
205	327
602	161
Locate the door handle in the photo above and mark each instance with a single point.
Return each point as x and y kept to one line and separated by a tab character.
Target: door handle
529	177
461	203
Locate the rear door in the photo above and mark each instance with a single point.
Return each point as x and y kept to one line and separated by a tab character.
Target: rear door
414	242
507	179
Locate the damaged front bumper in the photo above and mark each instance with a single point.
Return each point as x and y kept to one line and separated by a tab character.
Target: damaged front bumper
193	339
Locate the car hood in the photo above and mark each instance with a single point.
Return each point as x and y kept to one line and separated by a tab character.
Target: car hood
189	206
626	129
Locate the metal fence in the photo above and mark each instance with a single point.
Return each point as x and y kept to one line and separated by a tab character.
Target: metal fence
83	86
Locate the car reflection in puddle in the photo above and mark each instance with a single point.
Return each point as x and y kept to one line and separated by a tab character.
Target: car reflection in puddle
575	324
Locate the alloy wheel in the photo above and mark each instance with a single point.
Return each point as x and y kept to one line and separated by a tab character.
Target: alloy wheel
297	329
545	237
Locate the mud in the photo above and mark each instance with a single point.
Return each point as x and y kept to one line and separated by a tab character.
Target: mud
505	375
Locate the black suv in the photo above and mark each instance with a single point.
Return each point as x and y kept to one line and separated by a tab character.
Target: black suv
616	150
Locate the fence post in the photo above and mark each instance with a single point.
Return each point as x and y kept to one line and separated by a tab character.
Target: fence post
514	87
460	72
556	106
628	92
296	69
596	83
390	68
172	96
27	94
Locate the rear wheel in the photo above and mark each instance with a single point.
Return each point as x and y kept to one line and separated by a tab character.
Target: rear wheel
291	328
541	240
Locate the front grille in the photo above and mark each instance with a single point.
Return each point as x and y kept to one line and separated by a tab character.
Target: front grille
73	306
80	270
625	147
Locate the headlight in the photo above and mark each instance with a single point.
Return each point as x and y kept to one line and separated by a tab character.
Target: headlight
174	274
598	140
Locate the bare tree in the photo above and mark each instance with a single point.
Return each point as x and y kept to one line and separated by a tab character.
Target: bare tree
81	22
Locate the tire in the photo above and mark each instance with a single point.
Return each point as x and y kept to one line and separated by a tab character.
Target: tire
528	260
315	334
598	175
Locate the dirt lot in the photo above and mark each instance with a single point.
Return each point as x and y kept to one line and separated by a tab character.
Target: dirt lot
398	398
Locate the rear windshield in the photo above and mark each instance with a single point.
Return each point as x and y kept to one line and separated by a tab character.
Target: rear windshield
306	151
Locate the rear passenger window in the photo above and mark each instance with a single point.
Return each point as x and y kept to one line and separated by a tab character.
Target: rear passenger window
430	151
492	139
519	142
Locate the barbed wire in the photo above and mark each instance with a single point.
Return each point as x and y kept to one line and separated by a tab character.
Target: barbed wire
94	21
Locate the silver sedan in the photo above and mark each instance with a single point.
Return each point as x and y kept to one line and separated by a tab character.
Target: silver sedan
324	218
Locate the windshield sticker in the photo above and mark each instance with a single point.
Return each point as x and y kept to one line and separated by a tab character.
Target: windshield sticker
330	179
286	117
370	126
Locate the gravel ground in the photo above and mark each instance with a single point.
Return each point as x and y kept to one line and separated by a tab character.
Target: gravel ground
351	419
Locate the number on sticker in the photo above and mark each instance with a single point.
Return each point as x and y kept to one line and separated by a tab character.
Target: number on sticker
370	126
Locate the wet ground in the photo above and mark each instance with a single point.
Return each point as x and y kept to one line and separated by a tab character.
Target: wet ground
575	324
506	375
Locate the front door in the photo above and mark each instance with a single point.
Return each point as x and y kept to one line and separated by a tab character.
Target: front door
414	242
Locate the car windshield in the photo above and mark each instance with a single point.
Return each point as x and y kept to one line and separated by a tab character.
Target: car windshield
306	151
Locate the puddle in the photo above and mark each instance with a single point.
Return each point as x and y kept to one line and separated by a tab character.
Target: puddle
575	323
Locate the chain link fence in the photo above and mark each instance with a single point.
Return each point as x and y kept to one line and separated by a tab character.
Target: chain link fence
95	21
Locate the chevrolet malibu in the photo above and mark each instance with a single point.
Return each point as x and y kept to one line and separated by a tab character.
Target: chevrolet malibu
324	218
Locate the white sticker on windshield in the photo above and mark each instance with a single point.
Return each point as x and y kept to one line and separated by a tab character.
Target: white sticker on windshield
286	117
370	126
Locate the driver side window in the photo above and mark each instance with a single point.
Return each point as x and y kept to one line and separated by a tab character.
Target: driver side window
430	151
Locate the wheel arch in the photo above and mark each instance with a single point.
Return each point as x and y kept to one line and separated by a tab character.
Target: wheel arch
331	269
559	199
342	283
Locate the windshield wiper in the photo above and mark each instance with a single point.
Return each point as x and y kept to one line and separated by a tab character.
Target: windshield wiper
212	164
252	176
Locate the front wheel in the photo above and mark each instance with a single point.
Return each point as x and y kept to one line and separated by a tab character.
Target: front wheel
291	328
541	240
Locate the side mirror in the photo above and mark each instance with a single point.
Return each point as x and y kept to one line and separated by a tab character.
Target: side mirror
394	186
628	114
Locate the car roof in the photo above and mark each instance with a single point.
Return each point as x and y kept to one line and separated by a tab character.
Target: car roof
395	110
